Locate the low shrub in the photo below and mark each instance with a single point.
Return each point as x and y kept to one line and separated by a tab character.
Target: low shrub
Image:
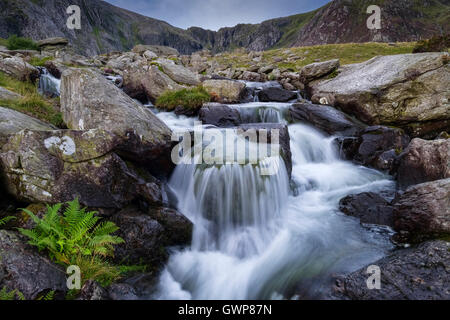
192	98
434	44
19	43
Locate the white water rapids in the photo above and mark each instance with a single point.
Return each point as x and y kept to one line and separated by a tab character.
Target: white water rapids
260	237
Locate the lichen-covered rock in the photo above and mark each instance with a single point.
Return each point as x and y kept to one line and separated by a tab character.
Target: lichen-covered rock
17	68
317	70
417	273
226	91
89	101
325	118
424	161
23	269
423	211
408	90
59	166
12	121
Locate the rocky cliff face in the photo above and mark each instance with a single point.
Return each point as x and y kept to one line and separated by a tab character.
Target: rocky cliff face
109	28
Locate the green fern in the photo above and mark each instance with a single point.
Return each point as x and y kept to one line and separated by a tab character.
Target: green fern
6	295
5	220
74	233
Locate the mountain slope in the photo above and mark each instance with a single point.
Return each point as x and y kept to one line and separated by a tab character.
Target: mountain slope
109	28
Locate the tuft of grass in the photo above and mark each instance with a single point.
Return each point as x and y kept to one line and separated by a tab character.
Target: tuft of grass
434	44
39	62
31	103
192	98
19	43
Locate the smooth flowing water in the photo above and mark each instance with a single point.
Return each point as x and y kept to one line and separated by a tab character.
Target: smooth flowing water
262	237
48	84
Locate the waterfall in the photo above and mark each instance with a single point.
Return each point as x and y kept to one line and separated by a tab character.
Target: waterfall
48	84
257	237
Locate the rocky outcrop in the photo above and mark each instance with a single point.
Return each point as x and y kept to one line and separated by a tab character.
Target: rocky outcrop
423	211
158	50
12	122
16	67
408	91
23	269
274	94
417	273
219	115
325	118
144	137
225	91
317	70
424	161
59	166
369	207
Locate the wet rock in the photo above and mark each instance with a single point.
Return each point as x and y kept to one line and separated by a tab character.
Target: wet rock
423	211
379	145
122	291
317	70
284	139
274	94
409	91
178	228
417	273
424	161
92	290
225	91
369	207
17	68
145	238
219	115
12	121
325	118
59	166
145	137
23	269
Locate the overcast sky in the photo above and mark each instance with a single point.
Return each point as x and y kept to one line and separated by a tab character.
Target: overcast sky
214	14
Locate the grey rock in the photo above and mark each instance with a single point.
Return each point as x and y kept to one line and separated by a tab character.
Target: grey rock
317	70
274	94
219	115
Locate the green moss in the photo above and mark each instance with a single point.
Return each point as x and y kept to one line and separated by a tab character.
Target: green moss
192	98
19	43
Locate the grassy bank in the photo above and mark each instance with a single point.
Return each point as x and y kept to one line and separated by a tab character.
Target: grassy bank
296	58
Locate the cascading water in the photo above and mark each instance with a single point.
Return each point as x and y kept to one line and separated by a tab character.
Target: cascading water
255	237
48	84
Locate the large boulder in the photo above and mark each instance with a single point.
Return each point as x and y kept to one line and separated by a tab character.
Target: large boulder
409	91
178	73
59	166
147	82
424	161
325	118
225	91
89	101
12	121
219	115
17	68
178	228
159	50
369	207
417	273
23	269
423	211
317	70
274	94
